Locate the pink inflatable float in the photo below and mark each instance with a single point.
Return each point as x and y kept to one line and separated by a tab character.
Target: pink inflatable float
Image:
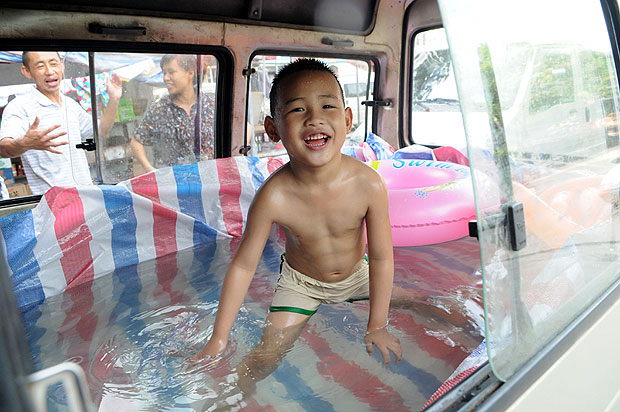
430	201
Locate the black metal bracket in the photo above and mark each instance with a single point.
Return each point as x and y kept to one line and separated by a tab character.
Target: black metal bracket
337	43
378	103
247	72
89	145
515	219
473	228
98	28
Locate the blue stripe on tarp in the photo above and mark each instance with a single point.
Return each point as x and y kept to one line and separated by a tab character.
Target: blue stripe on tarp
257	177
189	190
304	396
31	316
119	206
19	236
424	381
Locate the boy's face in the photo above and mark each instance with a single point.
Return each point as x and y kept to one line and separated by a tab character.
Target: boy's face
310	117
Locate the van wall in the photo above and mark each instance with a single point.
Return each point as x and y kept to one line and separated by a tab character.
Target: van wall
382	43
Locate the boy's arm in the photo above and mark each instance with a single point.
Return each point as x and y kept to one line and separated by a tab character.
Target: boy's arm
239	274
381	261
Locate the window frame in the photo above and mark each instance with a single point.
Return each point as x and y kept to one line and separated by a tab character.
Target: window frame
225	80
293	53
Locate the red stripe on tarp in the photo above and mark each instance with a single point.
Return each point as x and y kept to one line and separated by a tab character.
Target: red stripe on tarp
146	185
72	233
230	191
366	387
164	219
78	328
164	236
273	164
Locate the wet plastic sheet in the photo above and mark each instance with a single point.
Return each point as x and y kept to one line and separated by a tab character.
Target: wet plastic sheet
77	234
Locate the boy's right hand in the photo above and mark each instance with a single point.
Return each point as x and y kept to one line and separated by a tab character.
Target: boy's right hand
385	342
213	348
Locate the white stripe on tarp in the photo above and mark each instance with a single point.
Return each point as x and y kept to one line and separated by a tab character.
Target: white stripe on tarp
247	187
145	243
47	250
210	196
100	227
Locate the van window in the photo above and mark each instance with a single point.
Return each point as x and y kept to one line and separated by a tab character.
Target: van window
553	83
435	111
355	76
157	121
548	145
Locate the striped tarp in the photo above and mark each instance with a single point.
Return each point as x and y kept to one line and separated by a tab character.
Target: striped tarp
78	233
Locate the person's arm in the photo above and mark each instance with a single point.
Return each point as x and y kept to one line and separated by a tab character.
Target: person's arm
33	139
381	261
240	273
139	153
115	91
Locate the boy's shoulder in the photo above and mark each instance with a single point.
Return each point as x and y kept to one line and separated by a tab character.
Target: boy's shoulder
277	180
361	169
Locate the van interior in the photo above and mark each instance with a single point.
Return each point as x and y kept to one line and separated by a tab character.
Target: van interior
108	289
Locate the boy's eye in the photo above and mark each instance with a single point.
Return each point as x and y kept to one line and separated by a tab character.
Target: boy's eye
296	109
328	106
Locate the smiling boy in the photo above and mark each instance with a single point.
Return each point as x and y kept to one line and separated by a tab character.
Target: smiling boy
323	201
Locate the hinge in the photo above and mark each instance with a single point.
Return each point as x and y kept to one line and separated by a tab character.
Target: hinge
515	219
89	145
247	72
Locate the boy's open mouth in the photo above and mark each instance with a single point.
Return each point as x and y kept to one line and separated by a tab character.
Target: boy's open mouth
316	140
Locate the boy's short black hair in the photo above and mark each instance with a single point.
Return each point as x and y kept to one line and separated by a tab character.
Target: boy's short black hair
297	66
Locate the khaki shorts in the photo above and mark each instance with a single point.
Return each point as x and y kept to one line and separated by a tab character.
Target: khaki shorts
296	292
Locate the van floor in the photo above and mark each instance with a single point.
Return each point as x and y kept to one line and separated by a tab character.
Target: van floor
134	330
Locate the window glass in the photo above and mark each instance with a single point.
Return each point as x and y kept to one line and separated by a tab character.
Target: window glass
435	112
552	83
353	76
540	113
160	121
147	116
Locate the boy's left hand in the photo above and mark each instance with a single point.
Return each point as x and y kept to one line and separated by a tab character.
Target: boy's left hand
385	342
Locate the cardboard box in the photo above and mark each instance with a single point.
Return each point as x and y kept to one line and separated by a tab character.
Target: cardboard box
18	190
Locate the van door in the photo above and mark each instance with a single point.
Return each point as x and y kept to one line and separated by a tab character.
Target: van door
556	89
546	182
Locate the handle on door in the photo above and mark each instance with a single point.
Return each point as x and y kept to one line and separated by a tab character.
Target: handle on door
73	379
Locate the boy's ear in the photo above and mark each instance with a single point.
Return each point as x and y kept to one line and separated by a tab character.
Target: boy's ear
270	128
348	117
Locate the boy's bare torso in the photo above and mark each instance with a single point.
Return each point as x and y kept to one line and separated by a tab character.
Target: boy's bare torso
323	223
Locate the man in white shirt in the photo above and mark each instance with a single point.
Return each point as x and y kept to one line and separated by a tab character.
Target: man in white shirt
44	126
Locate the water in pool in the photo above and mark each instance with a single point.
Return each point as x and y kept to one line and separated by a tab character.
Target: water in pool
134	331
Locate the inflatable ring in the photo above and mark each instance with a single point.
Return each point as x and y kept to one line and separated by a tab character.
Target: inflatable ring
430	201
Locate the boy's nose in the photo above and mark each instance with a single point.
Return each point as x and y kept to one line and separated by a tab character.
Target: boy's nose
314	117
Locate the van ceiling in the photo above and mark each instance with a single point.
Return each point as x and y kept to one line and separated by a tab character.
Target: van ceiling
347	16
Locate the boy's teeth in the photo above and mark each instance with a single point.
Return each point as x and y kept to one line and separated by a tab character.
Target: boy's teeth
316	137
